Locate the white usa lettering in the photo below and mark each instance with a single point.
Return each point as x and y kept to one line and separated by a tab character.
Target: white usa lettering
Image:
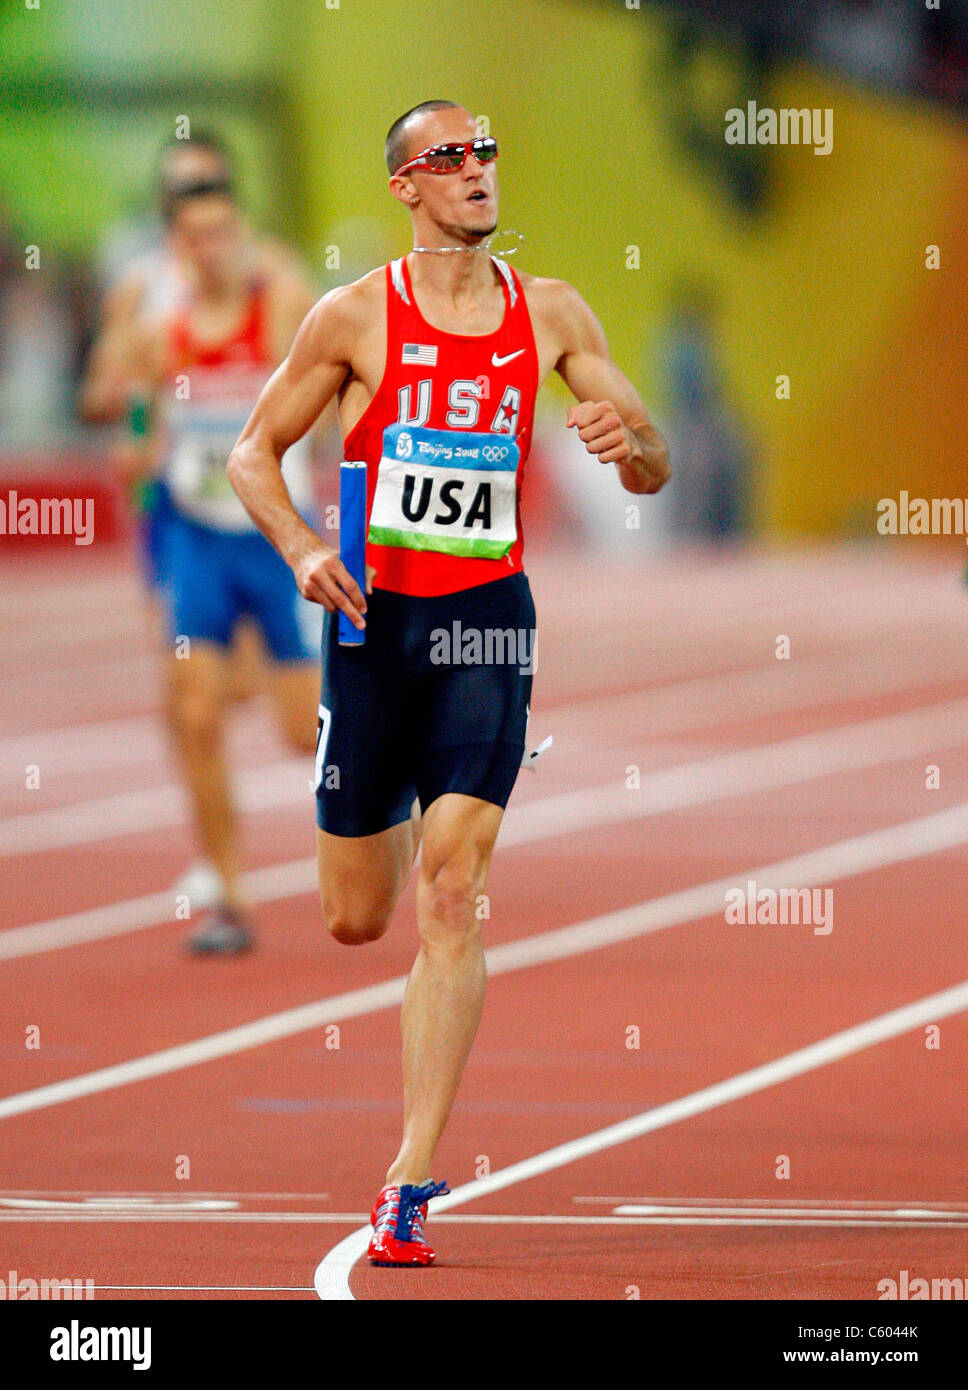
464	405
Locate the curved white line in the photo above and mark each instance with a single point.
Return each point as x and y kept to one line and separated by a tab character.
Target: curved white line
332	1277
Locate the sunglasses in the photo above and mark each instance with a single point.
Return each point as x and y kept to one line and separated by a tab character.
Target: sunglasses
447	159
175	194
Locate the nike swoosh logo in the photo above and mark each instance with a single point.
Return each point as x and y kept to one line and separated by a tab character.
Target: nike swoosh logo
502	361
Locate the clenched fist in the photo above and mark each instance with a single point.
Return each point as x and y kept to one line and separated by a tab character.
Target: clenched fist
601	431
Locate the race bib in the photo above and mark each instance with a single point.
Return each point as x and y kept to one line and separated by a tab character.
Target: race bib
446	490
197	470
202	427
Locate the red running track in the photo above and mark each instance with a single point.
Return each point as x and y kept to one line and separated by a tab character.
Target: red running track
686	754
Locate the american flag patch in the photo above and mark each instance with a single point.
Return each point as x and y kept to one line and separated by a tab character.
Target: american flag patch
419	355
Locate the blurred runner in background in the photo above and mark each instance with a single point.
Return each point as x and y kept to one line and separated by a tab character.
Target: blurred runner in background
191	332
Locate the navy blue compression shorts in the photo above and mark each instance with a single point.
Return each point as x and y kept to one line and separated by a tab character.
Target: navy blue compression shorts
435	701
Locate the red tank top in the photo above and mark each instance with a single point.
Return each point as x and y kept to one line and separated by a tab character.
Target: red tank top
445	440
220	383
249	343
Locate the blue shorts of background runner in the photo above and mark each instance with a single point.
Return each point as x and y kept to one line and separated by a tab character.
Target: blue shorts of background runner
218	577
156	510
398	721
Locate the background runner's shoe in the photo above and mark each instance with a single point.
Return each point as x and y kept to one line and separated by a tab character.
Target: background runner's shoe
201	884
397	1218
221	932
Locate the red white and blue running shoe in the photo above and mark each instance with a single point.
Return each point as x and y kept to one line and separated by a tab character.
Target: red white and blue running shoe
397	1219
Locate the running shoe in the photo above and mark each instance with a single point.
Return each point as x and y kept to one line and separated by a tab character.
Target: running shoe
201	884
397	1218
221	932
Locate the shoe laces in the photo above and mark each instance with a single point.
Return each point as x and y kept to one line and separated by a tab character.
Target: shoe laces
400	1214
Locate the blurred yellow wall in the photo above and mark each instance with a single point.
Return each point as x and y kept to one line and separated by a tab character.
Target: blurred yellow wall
828	286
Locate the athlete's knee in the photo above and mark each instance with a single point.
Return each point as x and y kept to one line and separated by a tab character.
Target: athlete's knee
448	895
354	924
301	738
195	716
297	698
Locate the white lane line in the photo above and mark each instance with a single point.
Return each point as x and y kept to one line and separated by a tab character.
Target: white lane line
85	747
736	695
114	1205
790	1223
332	1276
766	767
716	612
315	1218
131	741
272	1028
732	1209
151	808
837	673
272	884
724	776
756	690
203	1288
86	1202
124	673
118	628
59	597
88	1196
909	840
814	1205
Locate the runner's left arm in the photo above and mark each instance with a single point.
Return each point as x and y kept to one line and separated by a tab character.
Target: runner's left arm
610	418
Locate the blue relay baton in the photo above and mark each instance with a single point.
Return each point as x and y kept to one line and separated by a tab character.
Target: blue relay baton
352	539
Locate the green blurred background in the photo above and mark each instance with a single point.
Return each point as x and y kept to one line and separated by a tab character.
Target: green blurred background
737	265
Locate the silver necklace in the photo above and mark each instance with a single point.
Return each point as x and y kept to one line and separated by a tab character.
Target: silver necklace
481	246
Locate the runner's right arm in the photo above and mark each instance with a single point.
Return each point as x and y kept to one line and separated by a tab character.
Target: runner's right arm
292	400
107	372
135	451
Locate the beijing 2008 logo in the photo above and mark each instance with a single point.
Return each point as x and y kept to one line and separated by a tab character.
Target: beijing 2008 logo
404	445
494	454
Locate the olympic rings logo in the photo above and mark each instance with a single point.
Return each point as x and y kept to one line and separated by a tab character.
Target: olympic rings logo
494	454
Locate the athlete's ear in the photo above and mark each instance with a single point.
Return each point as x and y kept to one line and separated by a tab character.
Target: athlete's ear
404	191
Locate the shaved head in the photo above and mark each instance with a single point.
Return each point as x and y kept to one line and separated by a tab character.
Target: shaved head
397	147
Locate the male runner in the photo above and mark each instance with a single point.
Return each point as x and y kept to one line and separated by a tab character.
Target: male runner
152	280
151	283
436	360
204	357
